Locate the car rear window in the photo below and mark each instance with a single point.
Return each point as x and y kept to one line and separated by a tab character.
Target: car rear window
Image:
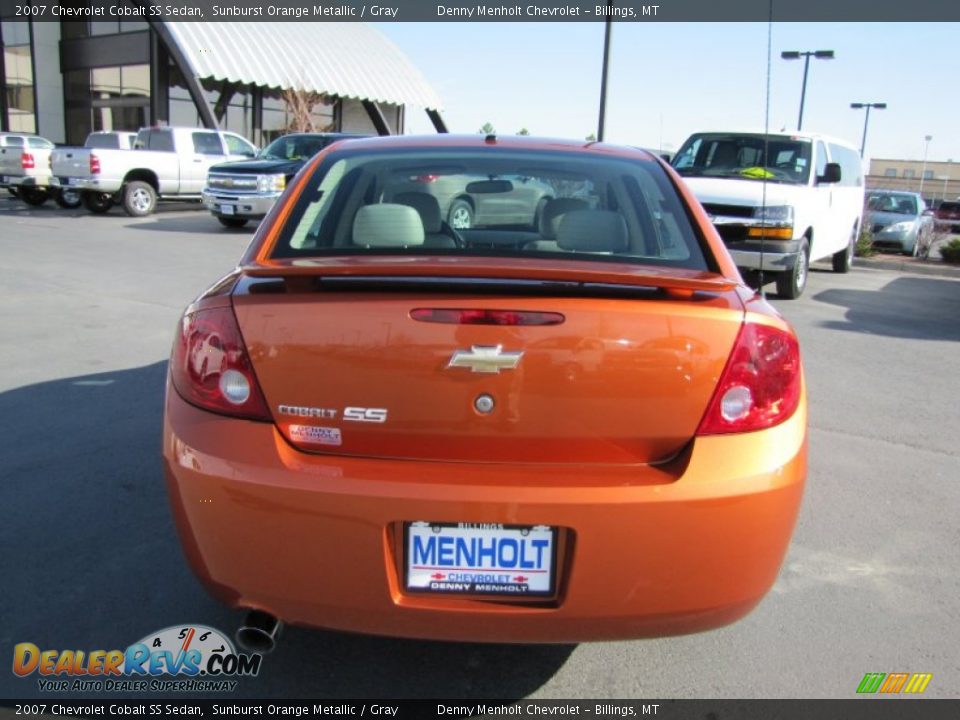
492	202
102	141
950	206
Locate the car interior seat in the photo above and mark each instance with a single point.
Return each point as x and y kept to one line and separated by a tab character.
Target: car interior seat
726	155
437	233
550	216
387	225
593	231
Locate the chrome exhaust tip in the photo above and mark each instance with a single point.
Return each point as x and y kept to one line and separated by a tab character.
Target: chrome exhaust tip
259	632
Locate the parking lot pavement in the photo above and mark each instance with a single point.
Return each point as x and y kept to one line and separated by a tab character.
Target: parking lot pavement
90	559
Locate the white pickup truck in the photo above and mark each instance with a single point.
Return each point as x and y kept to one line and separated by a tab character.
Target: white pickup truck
166	163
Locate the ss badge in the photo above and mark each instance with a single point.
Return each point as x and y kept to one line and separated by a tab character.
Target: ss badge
370	415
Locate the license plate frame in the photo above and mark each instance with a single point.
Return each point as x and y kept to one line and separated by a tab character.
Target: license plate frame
538	580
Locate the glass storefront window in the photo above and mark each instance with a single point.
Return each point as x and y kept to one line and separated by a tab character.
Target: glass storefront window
18	77
107	98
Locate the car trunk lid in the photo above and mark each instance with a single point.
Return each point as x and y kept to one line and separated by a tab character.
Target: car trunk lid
347	366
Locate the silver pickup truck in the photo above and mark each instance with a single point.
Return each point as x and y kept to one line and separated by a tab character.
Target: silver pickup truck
166	163
26	163
25	169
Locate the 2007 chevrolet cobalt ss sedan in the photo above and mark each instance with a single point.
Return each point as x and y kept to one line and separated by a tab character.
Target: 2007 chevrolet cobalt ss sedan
582	427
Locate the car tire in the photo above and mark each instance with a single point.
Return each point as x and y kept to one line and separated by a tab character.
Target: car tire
139	198
843	260
232	222
460	215
790	285
69	199
33	196
97	203
13	192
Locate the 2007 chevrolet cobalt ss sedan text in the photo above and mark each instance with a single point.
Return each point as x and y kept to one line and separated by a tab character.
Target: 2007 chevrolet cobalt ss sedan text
576	428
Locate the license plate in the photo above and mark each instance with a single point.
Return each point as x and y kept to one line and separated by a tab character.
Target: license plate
227	209
4	179
480	559
68	181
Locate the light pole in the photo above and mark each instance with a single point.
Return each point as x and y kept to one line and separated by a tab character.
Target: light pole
923	170
866	120
602	121
795	55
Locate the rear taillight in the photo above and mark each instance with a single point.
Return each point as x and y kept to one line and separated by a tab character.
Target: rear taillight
486	317
94	164
760	387
211	369
27	161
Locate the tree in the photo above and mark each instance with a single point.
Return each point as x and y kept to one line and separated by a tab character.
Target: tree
523	131
300	105
487	129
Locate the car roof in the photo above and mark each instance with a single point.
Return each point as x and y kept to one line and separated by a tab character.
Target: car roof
509	142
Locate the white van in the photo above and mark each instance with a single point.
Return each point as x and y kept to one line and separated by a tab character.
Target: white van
778	200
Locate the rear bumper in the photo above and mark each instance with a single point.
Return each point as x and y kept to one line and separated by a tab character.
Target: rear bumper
28	181
251	207
647	552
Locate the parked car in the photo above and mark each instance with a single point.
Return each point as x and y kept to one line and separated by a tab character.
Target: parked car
587	430
237	192
25	170
166	163
947	216
900	221
779	201
466	201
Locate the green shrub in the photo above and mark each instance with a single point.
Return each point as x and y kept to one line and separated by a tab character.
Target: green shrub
950	252
864	246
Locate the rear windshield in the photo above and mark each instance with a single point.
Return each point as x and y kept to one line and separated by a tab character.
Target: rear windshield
774	158
102	141
493	203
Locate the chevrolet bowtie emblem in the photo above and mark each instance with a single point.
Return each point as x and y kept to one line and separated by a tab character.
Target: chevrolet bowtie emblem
485	359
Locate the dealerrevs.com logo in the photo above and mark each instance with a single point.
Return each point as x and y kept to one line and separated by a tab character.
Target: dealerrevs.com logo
182	658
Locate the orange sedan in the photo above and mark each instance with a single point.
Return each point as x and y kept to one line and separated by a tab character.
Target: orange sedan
579	426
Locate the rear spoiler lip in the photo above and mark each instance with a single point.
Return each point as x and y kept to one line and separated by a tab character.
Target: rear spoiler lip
567	271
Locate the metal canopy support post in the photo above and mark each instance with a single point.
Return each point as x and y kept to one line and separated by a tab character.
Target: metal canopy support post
227	91
159	82
376	117
193	83
437	119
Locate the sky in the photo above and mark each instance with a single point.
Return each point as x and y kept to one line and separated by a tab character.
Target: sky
668	80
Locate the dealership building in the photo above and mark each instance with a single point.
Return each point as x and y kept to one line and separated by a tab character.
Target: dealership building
64	79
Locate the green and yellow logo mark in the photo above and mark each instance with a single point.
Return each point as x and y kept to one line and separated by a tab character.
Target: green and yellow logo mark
894	683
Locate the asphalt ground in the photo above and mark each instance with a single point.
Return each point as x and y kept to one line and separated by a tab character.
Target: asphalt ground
89	558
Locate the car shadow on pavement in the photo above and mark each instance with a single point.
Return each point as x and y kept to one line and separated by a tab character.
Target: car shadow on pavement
895	314
198	222
91	561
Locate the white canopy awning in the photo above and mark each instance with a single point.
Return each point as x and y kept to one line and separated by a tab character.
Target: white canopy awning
350	60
